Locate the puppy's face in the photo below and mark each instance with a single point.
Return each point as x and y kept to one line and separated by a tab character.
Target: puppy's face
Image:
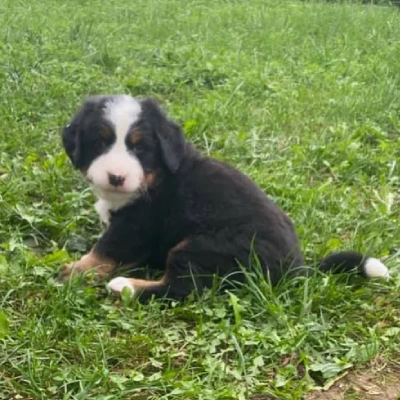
123	145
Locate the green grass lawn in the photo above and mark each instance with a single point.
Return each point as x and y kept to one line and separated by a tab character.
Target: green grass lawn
302	96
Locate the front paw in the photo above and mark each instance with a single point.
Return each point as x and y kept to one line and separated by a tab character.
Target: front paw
91	265
68	271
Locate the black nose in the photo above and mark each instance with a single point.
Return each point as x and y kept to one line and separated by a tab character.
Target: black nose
116	180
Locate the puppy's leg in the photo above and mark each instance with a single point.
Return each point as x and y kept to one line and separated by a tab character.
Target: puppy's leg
137	286
101	266
181	278
123	242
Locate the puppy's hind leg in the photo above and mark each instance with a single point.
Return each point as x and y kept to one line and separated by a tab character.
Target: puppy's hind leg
180	279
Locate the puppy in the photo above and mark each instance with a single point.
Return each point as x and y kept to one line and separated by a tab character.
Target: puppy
167	206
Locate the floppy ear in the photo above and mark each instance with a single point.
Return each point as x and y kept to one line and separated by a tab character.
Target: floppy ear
169	135
72	135
172	144
72	143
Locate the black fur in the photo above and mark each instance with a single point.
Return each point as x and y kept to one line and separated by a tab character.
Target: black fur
202	218
80	138
344	261
168	134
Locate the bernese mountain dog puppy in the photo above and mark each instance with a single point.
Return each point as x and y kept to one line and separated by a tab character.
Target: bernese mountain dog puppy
167	206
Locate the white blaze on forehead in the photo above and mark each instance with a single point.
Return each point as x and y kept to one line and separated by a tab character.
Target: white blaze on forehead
122	112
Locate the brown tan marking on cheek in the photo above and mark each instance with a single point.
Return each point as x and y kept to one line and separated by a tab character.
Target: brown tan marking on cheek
150	178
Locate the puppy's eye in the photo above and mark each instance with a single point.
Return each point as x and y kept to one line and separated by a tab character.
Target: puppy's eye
138	148
101	144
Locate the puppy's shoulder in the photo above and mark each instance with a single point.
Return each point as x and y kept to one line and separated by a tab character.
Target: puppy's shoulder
213	175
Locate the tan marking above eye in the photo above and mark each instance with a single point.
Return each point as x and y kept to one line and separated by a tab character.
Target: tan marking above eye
135	137
106	132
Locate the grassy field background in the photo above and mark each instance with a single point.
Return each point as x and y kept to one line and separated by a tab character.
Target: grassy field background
302	96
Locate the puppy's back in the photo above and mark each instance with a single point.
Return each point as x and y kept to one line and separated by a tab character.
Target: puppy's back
223	203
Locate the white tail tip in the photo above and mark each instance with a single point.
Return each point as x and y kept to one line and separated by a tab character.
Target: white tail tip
374	268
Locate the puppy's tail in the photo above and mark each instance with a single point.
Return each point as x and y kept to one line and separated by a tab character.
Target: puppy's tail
348	261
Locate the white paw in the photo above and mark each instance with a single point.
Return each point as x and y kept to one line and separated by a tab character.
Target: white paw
374	268
116	285
55	282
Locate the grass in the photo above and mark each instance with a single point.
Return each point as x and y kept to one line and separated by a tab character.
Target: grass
302	96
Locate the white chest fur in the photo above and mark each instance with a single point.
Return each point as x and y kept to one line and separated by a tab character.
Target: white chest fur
103	208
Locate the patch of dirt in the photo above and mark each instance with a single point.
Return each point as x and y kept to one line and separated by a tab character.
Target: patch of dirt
369	384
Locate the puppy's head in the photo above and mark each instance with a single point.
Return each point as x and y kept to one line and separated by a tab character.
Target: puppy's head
123	145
